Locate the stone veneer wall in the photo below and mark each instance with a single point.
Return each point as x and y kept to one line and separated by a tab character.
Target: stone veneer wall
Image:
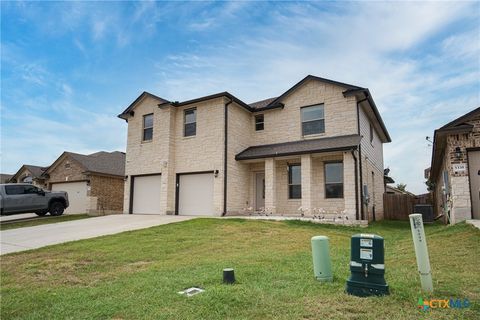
169	150
459	181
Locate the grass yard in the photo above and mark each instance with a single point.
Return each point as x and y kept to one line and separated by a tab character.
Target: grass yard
42	220
136	275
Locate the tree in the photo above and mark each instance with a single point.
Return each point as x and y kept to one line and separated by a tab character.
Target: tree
430	185
402	187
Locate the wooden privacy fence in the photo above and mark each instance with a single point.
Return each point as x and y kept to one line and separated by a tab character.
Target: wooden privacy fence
399	206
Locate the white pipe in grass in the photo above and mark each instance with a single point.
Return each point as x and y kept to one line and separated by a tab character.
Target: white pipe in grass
421	252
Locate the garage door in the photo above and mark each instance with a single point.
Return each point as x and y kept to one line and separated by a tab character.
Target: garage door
146	194
196	195
77	195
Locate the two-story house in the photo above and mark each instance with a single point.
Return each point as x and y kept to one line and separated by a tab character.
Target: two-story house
319	145
454	174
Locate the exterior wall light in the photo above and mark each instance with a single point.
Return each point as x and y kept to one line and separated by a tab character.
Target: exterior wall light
458	153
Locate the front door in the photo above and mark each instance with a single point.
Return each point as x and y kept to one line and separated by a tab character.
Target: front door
474	176
259	190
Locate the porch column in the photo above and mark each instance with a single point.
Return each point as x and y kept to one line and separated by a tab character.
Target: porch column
307	195
270	186
349	185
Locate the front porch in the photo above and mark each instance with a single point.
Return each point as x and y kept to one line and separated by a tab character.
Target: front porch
316	186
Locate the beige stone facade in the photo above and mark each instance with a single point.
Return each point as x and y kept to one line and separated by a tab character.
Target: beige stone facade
449	174
169	153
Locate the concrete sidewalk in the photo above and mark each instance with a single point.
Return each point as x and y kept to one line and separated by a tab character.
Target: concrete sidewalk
27	238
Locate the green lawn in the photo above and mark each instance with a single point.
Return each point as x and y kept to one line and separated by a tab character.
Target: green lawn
42	220
136	275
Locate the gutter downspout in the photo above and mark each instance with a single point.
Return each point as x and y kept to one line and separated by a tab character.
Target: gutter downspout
225	158
362	210
356	185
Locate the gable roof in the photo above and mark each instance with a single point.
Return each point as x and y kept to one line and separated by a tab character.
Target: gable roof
140	98
110	163
457	125
347	142
349	90
310	77
270	103
36	171
460	120
213	96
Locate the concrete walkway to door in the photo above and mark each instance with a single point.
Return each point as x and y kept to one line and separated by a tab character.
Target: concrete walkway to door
27	238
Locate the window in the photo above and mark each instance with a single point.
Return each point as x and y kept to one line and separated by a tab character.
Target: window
259	122
371	133
313	120
190	122
334	180
30	190
148	127
13	189
294	181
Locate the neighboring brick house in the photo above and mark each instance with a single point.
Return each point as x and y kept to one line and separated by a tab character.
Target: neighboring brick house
30	174
455	168
318	145
94	182
5	177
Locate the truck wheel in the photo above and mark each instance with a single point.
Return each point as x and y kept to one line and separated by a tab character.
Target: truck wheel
56	209
41	213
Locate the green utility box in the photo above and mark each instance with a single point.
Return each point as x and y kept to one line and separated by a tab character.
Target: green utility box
367	266
322	267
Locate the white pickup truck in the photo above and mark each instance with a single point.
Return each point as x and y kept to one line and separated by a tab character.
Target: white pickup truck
18	198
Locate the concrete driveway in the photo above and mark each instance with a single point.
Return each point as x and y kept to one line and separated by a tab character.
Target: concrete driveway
27	238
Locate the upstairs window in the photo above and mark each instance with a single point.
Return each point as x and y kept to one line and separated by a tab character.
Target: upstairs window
190	122
147	127
294	181
259	124
334	180
313	120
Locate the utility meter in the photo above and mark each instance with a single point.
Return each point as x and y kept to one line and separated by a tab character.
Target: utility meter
367	266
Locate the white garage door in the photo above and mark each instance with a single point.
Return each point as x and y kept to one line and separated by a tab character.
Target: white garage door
77	195
196	195
146	194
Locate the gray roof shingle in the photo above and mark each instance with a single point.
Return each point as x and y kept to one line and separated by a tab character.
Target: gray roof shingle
112	163
261	103
35	170
300	147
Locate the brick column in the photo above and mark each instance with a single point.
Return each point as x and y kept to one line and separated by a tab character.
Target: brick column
349	185
307	196
270	185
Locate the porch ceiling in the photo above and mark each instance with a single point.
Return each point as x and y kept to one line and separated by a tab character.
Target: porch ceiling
339	143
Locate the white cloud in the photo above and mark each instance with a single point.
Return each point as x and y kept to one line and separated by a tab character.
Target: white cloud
415	66
372	45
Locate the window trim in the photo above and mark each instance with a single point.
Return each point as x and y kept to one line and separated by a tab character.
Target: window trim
185	122
262	122
289	179
302	121
146	128
333	183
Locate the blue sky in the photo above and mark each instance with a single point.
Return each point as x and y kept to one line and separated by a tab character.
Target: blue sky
68	68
